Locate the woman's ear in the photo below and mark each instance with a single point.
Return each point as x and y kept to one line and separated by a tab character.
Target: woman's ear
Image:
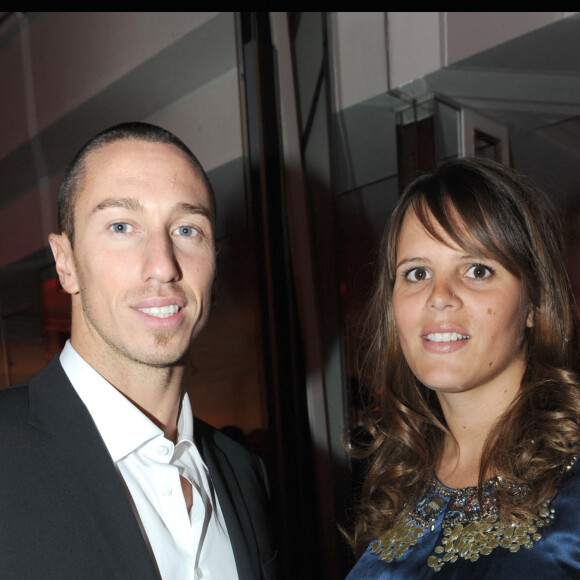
65	264
530	319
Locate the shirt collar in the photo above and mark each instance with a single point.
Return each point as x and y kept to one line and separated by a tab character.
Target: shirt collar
123	427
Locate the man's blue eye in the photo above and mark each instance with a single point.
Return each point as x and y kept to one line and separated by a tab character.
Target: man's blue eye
186	231
121	228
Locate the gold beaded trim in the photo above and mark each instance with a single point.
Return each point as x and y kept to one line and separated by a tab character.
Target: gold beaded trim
471	532
479	538
394	543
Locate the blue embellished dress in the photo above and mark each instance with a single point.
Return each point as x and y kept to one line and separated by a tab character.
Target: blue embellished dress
450	535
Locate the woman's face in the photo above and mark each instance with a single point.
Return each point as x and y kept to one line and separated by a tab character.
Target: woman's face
460	318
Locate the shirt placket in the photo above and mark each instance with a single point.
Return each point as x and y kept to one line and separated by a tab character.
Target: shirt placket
170	500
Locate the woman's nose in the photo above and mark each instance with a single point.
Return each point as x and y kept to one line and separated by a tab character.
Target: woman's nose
443	296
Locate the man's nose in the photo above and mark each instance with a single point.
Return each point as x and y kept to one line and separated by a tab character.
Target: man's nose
159	260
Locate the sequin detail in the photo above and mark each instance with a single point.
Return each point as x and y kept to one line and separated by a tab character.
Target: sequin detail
470	528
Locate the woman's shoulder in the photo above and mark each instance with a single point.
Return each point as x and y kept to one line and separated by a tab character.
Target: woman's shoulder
566	504
452	534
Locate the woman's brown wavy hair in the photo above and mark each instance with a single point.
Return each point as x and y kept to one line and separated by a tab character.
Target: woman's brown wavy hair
486	208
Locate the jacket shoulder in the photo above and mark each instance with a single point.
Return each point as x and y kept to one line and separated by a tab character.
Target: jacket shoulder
238	455
14	405
15	399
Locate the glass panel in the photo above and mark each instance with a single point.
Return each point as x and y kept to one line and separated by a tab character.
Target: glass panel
487	146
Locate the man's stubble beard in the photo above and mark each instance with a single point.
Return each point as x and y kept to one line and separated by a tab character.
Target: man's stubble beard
135	354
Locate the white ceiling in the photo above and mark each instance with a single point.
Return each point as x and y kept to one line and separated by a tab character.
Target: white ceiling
531	84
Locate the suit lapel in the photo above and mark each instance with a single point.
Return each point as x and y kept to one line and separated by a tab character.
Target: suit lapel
232	502
77	460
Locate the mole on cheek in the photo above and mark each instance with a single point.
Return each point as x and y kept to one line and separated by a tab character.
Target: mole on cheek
490	311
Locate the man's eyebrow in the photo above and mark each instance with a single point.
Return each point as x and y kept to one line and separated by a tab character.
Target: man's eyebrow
124	202
194	209
133	204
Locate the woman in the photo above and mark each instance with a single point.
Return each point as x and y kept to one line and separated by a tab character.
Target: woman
474	406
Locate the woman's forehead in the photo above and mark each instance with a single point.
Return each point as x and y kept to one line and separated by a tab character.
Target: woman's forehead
454	232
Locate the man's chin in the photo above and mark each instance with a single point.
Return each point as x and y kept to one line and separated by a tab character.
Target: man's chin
162	354
173	357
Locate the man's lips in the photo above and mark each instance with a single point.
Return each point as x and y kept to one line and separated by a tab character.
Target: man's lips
161	311
161	306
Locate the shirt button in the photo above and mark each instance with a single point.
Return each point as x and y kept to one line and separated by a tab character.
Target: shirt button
163	450
166	491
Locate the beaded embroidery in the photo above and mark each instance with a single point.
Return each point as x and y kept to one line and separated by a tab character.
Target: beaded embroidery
469	529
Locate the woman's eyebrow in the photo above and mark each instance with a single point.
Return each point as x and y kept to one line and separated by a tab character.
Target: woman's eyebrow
411	261
460	258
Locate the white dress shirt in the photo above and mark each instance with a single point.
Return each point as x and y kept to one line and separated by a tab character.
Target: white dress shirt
184	546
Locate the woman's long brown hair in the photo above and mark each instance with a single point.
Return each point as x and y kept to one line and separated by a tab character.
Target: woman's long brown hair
486	209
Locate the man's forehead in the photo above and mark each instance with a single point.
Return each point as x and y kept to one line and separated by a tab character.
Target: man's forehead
119	169
121	151
132	159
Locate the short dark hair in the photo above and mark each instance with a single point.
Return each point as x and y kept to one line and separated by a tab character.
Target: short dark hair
76	170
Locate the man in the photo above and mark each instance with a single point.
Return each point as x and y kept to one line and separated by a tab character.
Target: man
104	472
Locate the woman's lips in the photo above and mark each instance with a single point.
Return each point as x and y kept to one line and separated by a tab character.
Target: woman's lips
444	338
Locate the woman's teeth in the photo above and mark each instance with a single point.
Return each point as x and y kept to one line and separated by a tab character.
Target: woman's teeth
446	336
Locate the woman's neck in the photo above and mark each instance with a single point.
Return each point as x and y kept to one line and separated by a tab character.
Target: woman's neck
470	417
460	461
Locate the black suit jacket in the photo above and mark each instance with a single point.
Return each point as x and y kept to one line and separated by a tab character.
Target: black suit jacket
64	511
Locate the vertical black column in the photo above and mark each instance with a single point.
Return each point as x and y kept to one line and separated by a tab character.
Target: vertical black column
291	460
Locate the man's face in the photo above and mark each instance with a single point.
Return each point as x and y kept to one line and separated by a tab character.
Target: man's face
142	268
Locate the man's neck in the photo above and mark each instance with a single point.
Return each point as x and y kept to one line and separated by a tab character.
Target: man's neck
156	391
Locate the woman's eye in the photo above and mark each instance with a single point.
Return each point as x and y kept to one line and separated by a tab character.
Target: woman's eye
417	274
479	272
187	231
121	228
